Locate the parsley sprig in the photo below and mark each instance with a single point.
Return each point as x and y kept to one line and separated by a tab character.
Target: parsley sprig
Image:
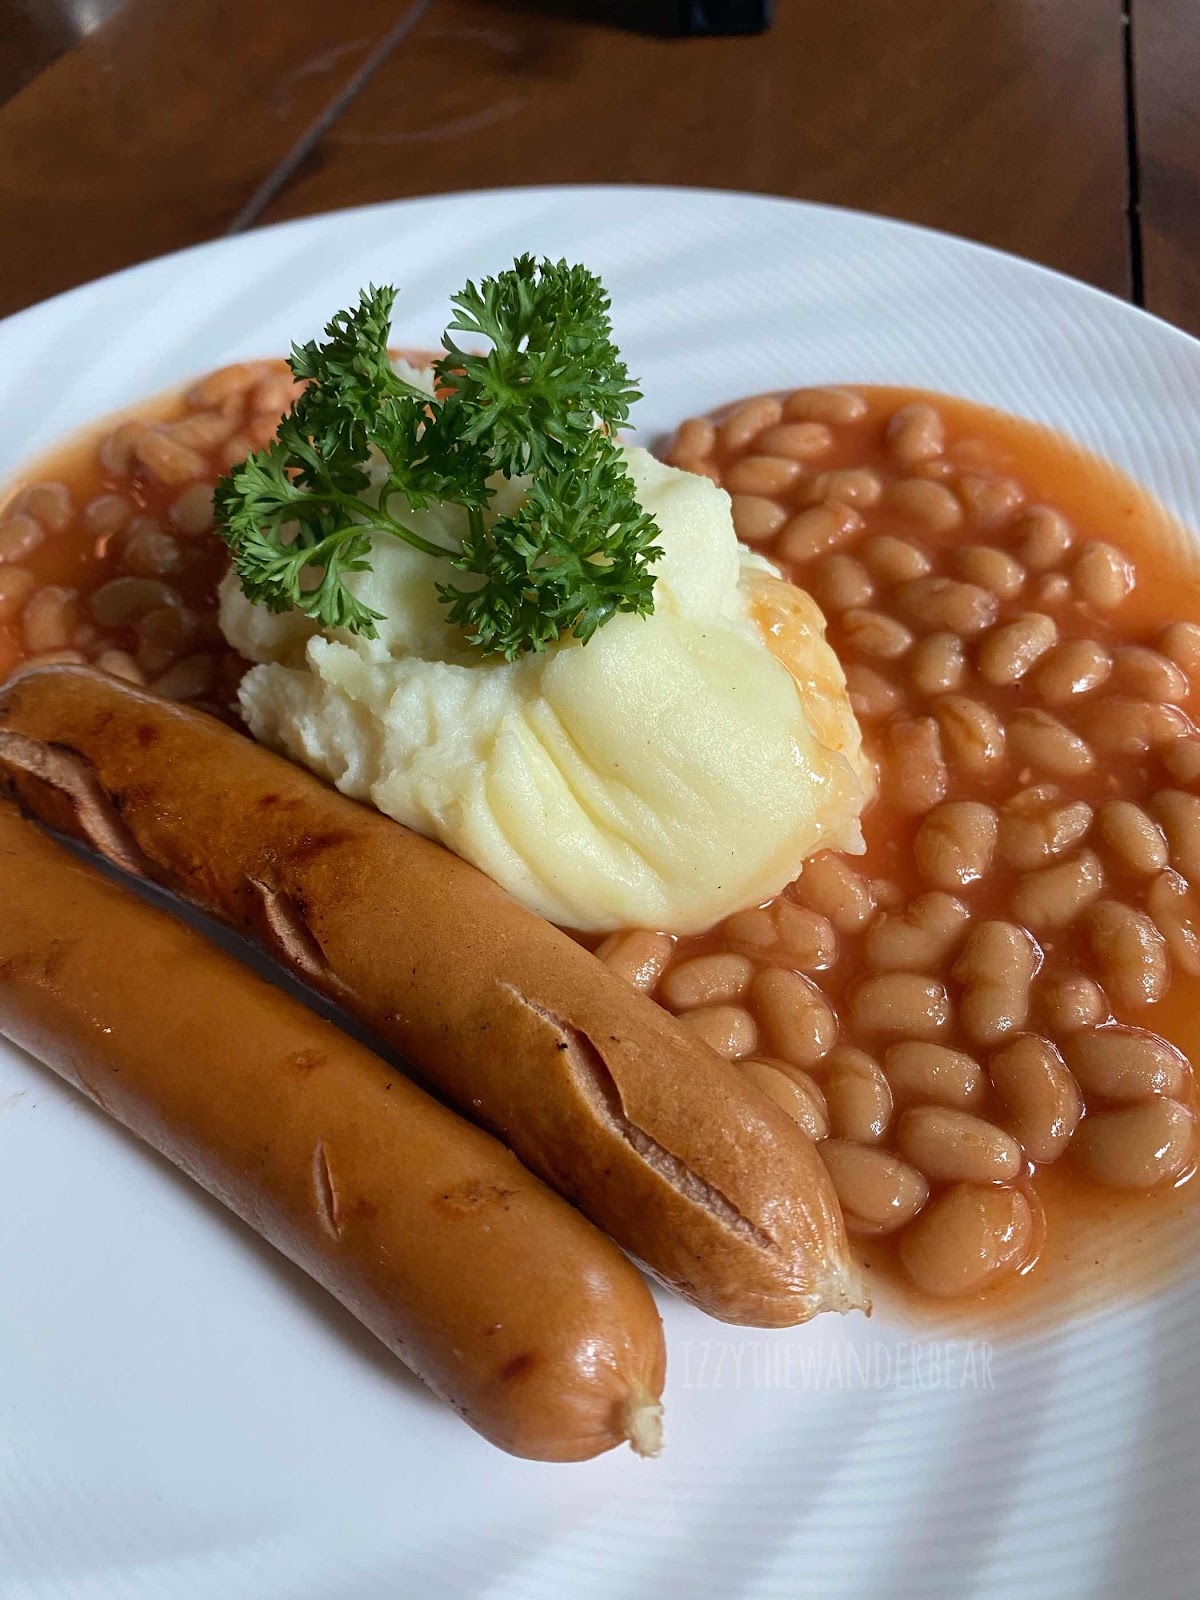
361	448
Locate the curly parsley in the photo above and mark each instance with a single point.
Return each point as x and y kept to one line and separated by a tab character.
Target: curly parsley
540	403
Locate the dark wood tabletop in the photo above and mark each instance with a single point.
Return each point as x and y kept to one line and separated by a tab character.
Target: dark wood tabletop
1067	131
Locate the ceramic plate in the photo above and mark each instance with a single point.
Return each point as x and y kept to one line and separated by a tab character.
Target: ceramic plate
183	1417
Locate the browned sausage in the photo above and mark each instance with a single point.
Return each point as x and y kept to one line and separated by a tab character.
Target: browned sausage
505	1300
666	1146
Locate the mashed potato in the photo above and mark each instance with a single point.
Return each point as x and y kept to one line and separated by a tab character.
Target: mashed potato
675	768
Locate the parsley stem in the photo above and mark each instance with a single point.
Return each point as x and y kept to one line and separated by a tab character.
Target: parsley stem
374	519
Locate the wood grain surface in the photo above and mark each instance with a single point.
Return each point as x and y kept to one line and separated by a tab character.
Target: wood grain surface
173	121
159	128
1166	97
950	115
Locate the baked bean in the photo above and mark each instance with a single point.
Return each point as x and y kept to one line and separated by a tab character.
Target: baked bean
1138	1146
938	663
870	693
56	658
227	382
746	421
107	514
1008	652
729	1030
1052	589
793	935
953	1146
990	502
1102	577
761	475
187	679
841	582
886	893
847	486
1120	726
916	767
878	1192
792	1089
1042	1103
1077	666
1124	1063
874	633
16	585
908	1004
205	429
1176	912
972	734
273	394
954	843
824	405
1146	673
1130	952
915	433
1182	759
121	601
120	664
996	968
697	466
894	560
1037	825
147	552
797	1020
857	1096
47	503
936	603
1044	538
799	441
236	448
49	618
1056	895
931	504
1073	1002
192	511
918	939
967	1239
167	459
933	1074
697	437
1134	838
705	981
20	536
162	635
640	957
115	451
991	569
830	887
1179	814
755	518
1180	643
821	528
1048	744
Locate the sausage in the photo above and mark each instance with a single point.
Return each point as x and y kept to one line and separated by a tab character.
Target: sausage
506	1301
664	1145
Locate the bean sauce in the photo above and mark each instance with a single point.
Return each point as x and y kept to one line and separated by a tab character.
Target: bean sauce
987	1020
1006	1018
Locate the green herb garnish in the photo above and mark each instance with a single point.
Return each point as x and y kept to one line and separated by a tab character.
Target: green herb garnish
539	404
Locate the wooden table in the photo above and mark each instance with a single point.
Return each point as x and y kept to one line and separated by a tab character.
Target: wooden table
1062	130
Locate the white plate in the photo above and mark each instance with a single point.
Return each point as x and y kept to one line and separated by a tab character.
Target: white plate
182	1416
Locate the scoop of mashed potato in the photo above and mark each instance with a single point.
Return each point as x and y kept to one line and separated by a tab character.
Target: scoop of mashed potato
674	769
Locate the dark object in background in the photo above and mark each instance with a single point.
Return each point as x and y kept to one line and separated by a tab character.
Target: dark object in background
723	16
670	19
